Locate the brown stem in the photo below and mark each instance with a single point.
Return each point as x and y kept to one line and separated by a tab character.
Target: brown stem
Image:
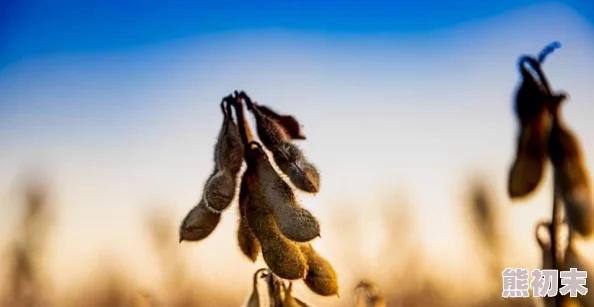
555	234
244	127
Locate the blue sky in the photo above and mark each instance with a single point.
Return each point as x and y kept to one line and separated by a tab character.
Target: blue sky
119	102
30	28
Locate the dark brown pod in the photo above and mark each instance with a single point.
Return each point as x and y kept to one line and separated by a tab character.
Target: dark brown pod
287	122
571	176
303	174
531	96
247	241
219	190
287	156
199	223
531	155
269	189
229	150
529	164
321	277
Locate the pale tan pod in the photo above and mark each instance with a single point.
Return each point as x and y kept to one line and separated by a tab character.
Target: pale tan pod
281	255
321	277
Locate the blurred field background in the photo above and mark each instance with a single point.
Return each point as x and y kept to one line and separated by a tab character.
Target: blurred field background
108	119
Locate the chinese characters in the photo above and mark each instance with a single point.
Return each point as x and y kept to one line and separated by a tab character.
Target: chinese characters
544	283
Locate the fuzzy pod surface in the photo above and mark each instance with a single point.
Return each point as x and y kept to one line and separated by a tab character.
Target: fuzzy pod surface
269	190
302	173
199	223
288	157
281	255
246	239
229	150
289	123
321	277
219	190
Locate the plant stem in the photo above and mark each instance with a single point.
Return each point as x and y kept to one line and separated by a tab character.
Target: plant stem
555	234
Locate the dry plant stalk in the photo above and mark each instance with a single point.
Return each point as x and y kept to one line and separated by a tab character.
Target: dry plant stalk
484	218
541	228
544	135
278	294
572	182
25	280
254	298
275	287
574	259
570	258
367	294
246	239
271	220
